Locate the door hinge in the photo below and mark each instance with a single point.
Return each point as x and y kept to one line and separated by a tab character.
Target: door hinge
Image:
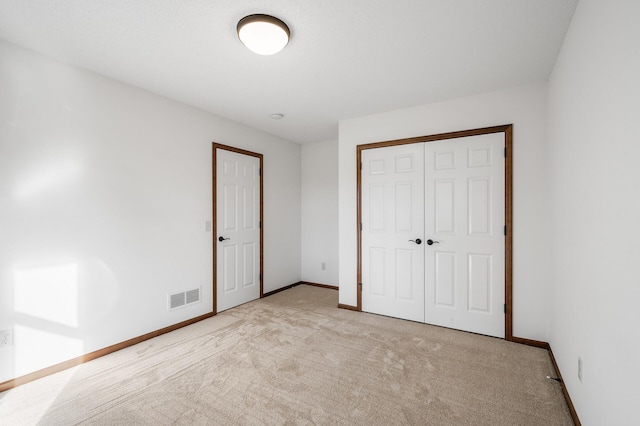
505	152
360	285
505	230
260	224
360	165
260	172
361	226
505	308
260	277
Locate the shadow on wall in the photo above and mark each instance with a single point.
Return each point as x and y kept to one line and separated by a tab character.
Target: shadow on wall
46	316
53	308
52	296
46	321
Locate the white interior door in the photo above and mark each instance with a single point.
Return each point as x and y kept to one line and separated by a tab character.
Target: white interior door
238	228
392	216
451	195
464	213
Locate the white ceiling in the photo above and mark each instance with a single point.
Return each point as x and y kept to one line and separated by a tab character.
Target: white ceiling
346	58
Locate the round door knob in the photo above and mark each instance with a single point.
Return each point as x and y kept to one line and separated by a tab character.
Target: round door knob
418	241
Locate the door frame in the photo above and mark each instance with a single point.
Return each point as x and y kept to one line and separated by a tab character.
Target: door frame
214	228
508	206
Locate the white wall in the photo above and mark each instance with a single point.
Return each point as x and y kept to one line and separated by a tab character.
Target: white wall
104	194
320	212
594	147
526	108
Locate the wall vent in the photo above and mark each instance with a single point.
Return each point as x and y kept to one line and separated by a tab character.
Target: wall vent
192	296
178	300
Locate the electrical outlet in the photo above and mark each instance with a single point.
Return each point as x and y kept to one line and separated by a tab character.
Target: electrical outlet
6	338
580	369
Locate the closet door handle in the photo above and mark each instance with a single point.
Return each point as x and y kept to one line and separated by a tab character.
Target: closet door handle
418	241
221	238
431	242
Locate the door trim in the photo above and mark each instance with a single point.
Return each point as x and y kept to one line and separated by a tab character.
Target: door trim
508	206
214	230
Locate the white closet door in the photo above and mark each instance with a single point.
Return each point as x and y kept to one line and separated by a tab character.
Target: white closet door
392	215
238	228
450	194
464	213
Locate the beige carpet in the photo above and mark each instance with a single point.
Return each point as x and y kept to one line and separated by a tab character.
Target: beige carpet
294	358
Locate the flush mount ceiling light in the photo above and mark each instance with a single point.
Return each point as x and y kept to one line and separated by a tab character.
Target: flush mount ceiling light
263	34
